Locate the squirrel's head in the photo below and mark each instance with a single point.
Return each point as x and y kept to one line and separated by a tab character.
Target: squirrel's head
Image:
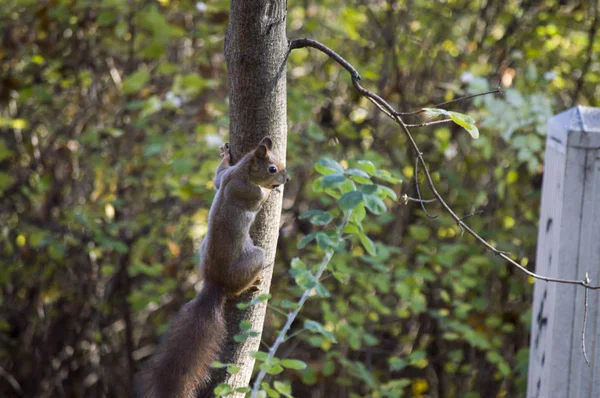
266	170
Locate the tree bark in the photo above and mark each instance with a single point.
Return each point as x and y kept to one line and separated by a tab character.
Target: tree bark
255	52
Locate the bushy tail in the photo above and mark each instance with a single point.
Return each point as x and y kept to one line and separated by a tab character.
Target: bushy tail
182	362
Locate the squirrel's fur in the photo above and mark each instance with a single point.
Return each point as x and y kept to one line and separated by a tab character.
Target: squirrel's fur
230	264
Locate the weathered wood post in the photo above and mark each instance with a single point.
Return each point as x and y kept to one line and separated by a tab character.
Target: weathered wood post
568	247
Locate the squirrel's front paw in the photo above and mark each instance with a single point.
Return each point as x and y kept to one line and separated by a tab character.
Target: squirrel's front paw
225	150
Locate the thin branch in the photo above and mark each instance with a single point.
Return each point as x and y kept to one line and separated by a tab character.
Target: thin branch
11	380
431	123
409	199
418	192
475	213
301	43
388	110
498	90
585	311
462	231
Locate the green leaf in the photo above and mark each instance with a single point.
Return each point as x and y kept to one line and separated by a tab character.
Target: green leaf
322	290
305	240
271	393
466	122
375	204
283	388
222	390
298	264
368	189
327	166
324	241
387	177
396	363
350	200
358	214
347	186
367	244
358	175
332	181
351	229
245	325
387	192
317	217
316	185
136	81
293	364
309	213
316	327
259	355
367	166
272	367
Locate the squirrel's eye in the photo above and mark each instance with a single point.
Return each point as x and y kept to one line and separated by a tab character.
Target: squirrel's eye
272	169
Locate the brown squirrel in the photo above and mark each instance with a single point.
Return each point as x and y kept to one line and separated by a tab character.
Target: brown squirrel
230	264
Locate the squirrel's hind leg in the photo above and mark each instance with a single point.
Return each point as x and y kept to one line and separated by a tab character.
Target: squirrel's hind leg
245	270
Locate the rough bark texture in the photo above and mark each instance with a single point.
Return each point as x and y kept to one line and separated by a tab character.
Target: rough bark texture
255	51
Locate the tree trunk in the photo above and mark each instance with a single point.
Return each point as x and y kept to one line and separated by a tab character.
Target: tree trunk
255	51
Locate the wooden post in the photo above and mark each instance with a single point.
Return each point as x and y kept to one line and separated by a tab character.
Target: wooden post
568	247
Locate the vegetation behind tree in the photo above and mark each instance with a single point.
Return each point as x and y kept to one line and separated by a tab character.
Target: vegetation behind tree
111	116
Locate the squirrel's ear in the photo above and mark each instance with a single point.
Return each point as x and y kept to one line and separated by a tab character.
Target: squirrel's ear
267	142
262	152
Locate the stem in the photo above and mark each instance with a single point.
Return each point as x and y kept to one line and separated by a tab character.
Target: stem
292	315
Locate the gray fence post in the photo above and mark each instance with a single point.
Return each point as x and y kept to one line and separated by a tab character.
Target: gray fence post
568	247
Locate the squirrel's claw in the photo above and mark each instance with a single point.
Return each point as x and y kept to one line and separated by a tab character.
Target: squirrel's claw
224	150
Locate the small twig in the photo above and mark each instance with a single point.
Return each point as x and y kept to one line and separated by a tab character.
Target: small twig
296	333
475	213
498	90
389	111
430	123
462	231
585	311
418	192
11	380
409	199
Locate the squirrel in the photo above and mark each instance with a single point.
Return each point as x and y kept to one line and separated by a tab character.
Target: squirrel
230	264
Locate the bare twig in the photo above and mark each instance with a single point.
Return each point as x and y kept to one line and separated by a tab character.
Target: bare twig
585	310
498	90
409	199
431	123
475	213
388	110
418	192
11	380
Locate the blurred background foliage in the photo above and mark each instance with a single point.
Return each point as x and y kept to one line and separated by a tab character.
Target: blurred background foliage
111	114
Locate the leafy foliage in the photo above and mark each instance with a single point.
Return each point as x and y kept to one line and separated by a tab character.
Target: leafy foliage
111	114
